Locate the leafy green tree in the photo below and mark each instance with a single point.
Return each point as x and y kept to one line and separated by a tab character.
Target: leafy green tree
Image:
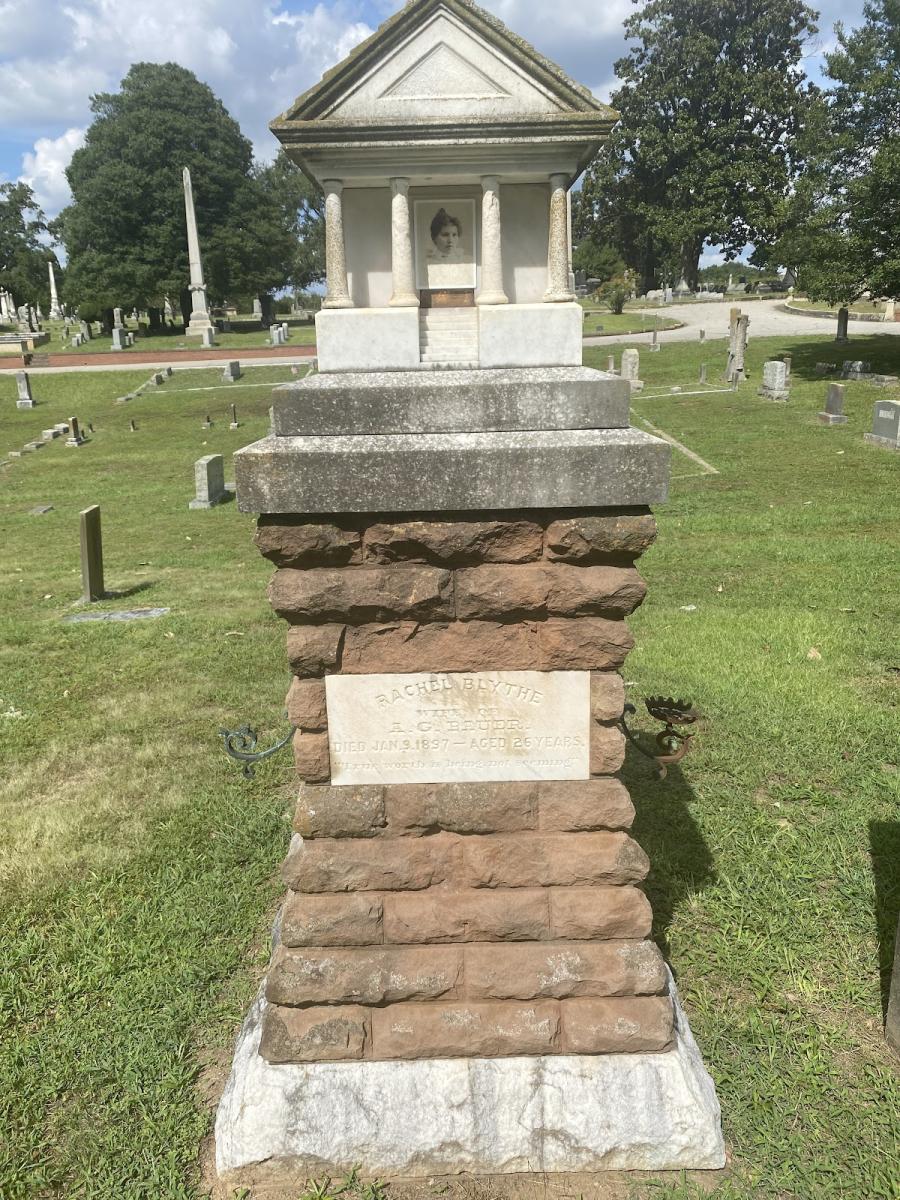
712	99
125	229
23	256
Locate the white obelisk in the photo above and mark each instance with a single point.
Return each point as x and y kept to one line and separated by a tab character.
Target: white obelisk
56	313
200	321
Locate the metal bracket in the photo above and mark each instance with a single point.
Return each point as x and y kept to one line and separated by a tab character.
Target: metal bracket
672	745
240	744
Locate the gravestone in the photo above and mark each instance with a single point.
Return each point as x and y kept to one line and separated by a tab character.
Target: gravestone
611	364
843	325
630	369
209	480
75	437
119	338
702	337
787	359
231	371
257	307
774	382
23	389
234	421
833	413
855	368
702	373
91	554
208	337
738	337
654	340
118	323
85	329
885	425
463	977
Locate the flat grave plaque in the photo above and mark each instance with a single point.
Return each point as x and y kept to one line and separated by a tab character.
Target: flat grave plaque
459	727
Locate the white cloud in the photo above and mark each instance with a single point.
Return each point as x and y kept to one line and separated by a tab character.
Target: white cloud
43	168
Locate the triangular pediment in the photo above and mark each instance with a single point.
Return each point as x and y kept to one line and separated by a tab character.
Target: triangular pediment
441	73
439	60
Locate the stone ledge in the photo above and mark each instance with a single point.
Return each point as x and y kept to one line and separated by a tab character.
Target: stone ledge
452	471
380	402
480	1115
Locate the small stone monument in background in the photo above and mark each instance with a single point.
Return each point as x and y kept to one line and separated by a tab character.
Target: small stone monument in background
833	413
209	481
23	389
463	977
885	425
843	325
774	381
630	369
231	372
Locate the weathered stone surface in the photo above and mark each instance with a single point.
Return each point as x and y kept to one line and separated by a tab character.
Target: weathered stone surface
305	703
590	643
454	542
336	812
503	971
453	1030
344	865
590	590
576	806
416	1119
362	594
314	649
599	912
609	1025
440	915
370	975
461	807
331	920
553	859
311	756
607	695
607	749
591	538
306	545
502	591
314	1034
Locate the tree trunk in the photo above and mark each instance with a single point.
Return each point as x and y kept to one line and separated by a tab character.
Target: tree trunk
691	250
185	301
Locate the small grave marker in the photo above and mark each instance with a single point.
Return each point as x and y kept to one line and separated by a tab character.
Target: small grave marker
788	360
207	337
630	368
234	421
833	413
209	481
774	384
703	372
611	364
91	554
654	340
843	325
75	438
23	387
885	425
132	426
207	424
40	509
702	335
231	371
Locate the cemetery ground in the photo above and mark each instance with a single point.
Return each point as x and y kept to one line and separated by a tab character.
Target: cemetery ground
138	867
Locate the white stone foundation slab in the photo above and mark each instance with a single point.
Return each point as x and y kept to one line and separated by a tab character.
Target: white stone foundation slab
481	1116
530	335
367	339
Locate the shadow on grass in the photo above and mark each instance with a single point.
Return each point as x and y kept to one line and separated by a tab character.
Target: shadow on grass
884	843
680	860
883	352
122	593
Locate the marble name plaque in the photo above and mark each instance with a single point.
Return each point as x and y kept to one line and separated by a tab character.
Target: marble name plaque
459	728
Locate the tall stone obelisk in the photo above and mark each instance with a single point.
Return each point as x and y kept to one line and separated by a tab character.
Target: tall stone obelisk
56	313
200	323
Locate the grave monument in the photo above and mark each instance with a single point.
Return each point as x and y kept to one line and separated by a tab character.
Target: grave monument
463	978
885	425
56	313
200	324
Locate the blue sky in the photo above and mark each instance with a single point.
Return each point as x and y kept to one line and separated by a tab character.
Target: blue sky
257	55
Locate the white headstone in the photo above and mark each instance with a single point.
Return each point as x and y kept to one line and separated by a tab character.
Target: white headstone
23	387
209	480
119	338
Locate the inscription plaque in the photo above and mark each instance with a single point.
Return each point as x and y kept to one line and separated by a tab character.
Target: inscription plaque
459	727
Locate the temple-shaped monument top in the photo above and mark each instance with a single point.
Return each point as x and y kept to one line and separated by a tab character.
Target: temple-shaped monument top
446	147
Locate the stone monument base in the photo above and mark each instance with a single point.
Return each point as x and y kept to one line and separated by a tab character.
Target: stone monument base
482	1116
886	443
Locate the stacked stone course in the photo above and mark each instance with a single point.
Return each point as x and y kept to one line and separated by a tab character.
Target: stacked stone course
468	919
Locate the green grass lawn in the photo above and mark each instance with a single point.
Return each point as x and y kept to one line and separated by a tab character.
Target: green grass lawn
603	322
138	868
301	334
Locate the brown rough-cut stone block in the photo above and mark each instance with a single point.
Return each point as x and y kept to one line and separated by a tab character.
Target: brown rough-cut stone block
586	591
336	812
599	912
312	758
305	704
419	808
464	1030
361	594
314	649
314	1034
502	971
359	864
371	975
475	915
502	591
582	805
607	749
607	695
585	644
326	920
306	545
617	1026
454	541
591	538
553	860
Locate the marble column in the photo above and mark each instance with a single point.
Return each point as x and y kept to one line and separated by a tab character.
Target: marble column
403	275
56	313
491	242
199	305
558	290
337	294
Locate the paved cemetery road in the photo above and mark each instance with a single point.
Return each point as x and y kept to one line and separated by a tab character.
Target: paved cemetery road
767	319
258	356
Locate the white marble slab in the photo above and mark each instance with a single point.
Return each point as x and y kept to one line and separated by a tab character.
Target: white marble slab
459	727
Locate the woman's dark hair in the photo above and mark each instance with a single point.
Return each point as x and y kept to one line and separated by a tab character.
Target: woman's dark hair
442	218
